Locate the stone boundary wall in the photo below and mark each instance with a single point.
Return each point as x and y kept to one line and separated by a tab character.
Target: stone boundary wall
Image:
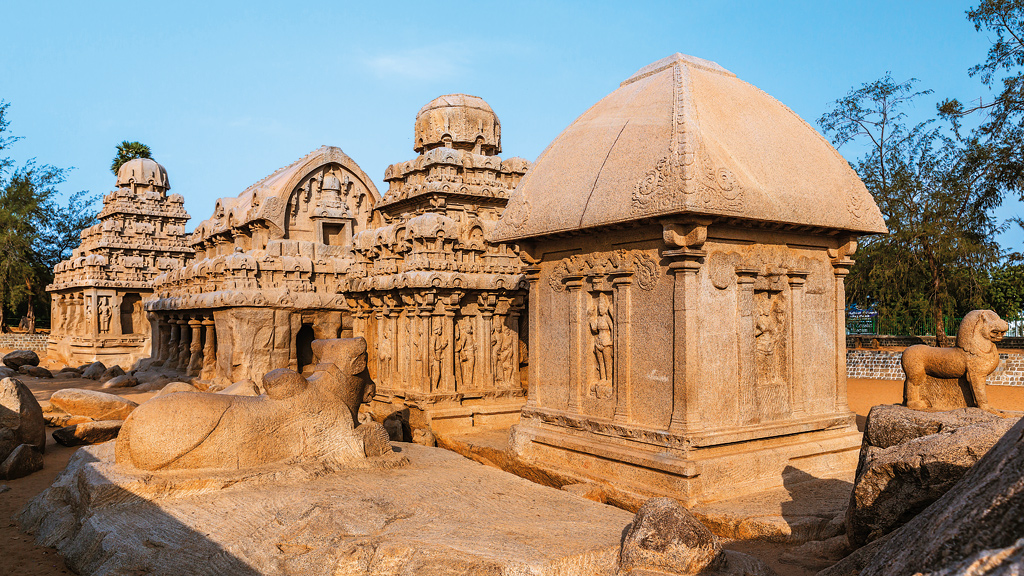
885	365
871	342
15	341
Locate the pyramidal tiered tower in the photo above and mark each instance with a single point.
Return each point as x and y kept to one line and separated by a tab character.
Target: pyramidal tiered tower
97	293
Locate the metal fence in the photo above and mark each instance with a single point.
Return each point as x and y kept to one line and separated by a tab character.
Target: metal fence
904	326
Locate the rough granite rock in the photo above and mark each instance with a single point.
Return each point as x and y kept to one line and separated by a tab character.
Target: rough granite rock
23	461
21	418
88	432
173	387
984	511
60	419
122	381
6	372
310	519
917	458
19	358
240	388
94	404
35	371
111	372
665	538
375	439
1007	561
93	371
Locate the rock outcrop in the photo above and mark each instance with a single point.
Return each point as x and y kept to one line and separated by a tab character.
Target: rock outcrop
665	538
88	432
911	458
974	528
23	461
19	358
21	418
91	403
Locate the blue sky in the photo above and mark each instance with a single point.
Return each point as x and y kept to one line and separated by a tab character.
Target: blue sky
226	93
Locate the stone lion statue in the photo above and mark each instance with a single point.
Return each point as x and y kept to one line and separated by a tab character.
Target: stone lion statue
298	419
950	378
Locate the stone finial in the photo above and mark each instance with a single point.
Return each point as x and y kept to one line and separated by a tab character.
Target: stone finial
458	121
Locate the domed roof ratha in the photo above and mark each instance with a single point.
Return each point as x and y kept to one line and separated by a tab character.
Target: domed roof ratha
685	136
458	121
144	171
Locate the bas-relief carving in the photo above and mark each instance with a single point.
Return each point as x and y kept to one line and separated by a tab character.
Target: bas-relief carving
639	264
465	344
950	378
602	328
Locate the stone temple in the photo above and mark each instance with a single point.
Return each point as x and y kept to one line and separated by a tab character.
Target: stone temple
657	304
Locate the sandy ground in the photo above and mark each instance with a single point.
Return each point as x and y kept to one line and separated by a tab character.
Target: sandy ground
21	556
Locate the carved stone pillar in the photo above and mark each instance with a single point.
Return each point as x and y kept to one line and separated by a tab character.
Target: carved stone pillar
577	341
156	335
485	333
623	338
115	315
533	348
209	349
171	356
165	328
184	345
841	264
686	365
195	348
745	279
797	361
448	365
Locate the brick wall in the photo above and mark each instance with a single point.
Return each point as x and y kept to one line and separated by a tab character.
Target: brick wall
885	365
14	341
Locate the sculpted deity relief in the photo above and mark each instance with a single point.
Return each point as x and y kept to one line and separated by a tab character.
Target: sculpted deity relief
465	346
640	264
602	328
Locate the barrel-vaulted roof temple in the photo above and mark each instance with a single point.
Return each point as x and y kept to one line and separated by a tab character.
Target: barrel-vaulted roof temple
656	304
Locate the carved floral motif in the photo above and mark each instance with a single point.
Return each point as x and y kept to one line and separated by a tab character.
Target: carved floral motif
640	264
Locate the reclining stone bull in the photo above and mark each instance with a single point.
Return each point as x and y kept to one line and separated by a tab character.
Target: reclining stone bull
296	420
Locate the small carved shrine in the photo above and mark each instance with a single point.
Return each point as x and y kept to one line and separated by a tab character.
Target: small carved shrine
688	239
440	306
97	295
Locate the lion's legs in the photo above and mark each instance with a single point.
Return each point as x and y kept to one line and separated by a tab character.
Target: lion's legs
980	392
915	378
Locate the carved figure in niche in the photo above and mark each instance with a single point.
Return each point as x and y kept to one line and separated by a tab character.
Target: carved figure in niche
105	315
90	324
504	370
297	420
437	356
771	317
384	353
602	326
465	345
950	378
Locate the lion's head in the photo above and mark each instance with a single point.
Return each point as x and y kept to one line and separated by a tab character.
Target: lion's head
979	331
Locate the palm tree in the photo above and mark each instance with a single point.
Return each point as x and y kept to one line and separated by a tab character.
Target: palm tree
127	151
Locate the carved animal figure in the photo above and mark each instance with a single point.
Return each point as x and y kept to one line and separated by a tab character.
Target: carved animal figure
297	419
949	378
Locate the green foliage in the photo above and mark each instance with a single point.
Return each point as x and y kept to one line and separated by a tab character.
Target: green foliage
35	231
1005	290
937	196
128	151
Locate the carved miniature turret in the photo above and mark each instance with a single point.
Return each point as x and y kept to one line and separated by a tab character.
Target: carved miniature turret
458	121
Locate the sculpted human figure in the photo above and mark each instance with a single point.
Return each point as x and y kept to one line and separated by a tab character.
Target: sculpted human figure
465	344
105	315
384	354
296	420
949	378
601	326
505	357
440	344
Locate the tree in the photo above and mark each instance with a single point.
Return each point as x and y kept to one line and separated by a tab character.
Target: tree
35	232
937	195
128	151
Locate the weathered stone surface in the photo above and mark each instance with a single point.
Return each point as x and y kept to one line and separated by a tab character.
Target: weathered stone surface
666	538
94	371
19	358
88	432
23	461
6	372
424	437
122	381
60	419
245	388
111	372
94	404
375	439
903	474
68	372
1008	561
217	431
21	418
307	519
984	511
176	387
35	371
948	378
